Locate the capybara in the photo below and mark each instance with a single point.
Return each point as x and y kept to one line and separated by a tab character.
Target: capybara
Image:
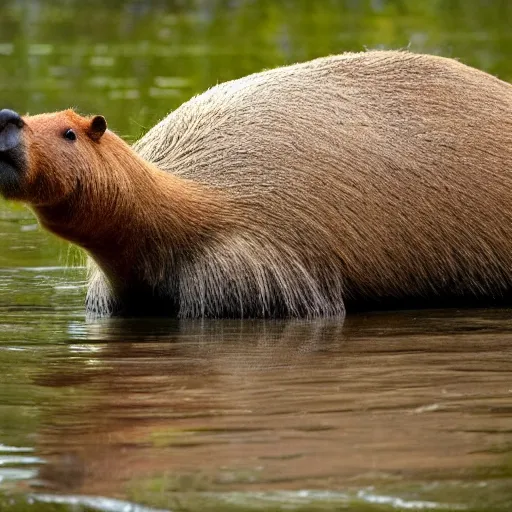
375	179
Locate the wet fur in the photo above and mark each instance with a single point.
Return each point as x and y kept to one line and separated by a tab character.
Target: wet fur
356	179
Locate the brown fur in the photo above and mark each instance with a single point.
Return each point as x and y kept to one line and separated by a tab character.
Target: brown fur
367	177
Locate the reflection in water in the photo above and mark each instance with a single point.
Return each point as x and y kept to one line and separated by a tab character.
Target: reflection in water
266	406
410	406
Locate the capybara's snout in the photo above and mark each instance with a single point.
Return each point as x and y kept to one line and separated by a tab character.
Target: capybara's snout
11	124
10	117
12	157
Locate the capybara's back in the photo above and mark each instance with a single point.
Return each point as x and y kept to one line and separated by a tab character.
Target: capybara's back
358	179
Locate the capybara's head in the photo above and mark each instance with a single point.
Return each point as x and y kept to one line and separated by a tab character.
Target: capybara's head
46	158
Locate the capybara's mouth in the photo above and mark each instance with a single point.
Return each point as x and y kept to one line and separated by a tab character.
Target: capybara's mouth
11	170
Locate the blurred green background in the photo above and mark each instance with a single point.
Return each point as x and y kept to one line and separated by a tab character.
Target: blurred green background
134	61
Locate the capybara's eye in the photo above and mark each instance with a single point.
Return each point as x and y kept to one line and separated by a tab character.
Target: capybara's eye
70	134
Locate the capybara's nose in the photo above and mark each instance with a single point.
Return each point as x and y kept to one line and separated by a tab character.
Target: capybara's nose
10	129
8	117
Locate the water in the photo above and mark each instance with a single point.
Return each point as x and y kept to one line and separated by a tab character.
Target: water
387	411
411	407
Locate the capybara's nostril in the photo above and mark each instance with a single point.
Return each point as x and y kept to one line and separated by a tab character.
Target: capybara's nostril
10	117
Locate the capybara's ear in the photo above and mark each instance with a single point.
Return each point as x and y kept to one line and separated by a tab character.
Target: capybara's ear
97	128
